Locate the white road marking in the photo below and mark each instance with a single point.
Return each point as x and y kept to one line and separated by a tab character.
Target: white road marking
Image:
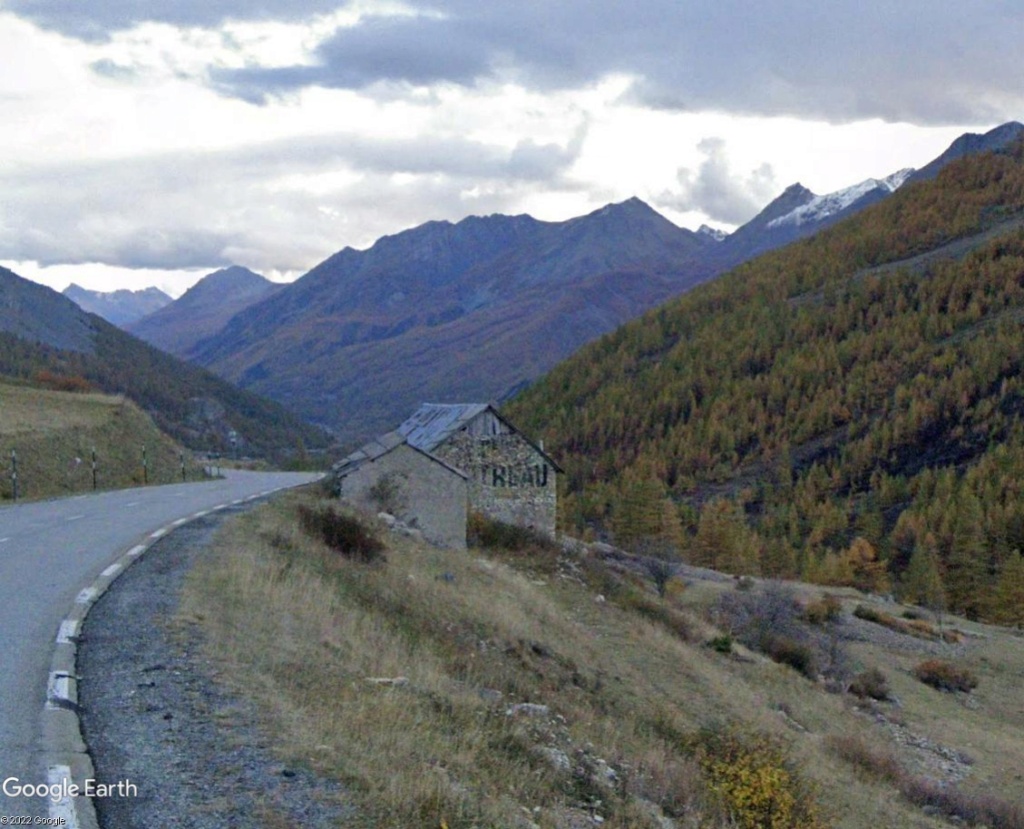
201	513
137	550
4	540
113	569
133	503
86	596
179	522
58	688
74	517
159	533
62	808
68	631
219	507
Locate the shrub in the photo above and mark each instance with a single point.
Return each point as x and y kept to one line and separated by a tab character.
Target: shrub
945	676
482	531
827	609
974	809
874	763
870	683
62	382
754	780
868	614
788	651
721	644
388	494
342	533
772	621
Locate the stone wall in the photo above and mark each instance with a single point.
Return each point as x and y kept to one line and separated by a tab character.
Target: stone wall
509	480
424	494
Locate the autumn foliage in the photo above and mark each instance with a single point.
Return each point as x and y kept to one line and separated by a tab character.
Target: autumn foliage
849	409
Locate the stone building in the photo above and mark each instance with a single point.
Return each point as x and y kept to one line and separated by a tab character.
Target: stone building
510	478
447	460
419	488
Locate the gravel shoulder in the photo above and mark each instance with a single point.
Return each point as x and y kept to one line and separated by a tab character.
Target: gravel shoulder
154	714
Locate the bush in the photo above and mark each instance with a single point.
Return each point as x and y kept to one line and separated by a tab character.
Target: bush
827	609
342	533
869	614
772	621
721	644
945	676
755	782
870	683
788	651
482	531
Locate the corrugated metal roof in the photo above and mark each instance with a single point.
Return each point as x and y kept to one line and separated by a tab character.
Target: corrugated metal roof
378	447
433	423
369	452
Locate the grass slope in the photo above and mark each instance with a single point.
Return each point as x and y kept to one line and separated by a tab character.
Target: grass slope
405	680
54	434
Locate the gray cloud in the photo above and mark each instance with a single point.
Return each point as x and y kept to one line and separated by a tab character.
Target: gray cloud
922	61
716	190
190	210
95	20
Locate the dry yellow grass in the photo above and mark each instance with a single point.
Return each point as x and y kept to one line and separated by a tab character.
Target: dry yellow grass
468	635
55	432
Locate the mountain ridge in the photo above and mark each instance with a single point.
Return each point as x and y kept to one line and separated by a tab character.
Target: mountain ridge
119	307
43	333
202	310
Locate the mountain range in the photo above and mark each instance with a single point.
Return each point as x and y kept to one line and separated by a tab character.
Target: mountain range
44	336
202	310
477	309
119	307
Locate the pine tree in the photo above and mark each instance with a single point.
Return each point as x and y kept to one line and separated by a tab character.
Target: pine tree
1008	601
922	581
868	573
638	512
965	566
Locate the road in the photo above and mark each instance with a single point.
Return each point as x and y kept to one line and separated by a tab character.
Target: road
49	552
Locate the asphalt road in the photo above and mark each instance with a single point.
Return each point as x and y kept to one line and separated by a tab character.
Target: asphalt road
51	550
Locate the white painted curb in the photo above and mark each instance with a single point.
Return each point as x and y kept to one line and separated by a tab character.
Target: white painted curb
68	762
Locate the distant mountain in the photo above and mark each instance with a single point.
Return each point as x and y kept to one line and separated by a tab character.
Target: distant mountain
481	308
39	315
119	307
202	310
443	311
971	143
42	332
798	213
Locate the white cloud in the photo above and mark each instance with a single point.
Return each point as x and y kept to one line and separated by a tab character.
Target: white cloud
716	191
131	138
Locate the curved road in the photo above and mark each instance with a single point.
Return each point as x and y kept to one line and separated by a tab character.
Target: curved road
49	552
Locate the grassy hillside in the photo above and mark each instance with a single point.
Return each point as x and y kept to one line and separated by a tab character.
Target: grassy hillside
418	681
54	434
856	395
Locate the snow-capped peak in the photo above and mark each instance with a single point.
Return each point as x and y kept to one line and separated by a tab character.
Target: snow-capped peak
821	207
711	232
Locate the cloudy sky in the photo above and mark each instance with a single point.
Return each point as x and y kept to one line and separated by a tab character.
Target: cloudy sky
152	142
